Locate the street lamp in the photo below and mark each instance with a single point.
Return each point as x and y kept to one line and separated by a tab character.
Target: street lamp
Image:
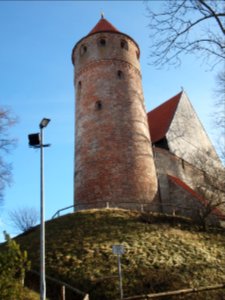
36	140
44	123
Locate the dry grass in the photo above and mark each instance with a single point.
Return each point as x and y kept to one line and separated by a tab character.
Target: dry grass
30	295
158	257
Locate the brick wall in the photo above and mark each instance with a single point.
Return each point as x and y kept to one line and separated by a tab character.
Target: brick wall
113	156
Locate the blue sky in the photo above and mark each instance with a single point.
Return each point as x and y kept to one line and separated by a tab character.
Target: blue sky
36	76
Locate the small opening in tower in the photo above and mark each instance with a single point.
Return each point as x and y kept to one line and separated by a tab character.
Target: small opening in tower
119	74
102	42
78	93
138	54
98	105
124	44
83	49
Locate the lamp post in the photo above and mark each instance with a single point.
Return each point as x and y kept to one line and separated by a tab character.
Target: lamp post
36	140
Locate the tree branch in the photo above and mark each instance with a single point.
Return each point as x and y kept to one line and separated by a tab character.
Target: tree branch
215	15
177	26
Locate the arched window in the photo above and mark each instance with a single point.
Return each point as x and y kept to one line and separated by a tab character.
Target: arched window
79	86
102	42
138	54
120	74
98	105
83	49
124	44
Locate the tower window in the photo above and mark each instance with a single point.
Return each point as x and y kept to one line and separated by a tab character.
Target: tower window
138	54
79	85
83	49
98	105
102	42
119	74
124	44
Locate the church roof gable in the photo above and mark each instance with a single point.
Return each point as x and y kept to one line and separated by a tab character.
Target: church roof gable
160	118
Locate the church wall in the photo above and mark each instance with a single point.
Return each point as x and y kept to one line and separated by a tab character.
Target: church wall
169	164
183	204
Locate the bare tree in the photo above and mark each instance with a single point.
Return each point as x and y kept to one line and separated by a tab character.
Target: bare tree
187	27
213	207
24	219
210	186
220	112
191	27
7	120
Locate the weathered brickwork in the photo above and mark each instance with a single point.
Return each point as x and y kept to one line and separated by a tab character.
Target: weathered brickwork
113	157
173	198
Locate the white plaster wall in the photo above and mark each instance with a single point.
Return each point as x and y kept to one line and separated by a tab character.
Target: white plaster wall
188	139
168	164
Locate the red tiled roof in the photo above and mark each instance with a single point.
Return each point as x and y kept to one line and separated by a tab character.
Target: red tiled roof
201	199
103	25
160	118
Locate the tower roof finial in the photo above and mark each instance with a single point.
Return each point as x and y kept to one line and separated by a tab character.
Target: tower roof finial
102	15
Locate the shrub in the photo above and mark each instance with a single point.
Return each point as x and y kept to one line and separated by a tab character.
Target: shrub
13	265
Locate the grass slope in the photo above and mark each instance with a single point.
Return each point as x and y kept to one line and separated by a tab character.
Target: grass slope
158	257
30	295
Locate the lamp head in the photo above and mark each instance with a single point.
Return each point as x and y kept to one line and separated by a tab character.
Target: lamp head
44	122
34	140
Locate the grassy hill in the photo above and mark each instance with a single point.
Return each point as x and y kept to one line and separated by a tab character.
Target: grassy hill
30	295
159	255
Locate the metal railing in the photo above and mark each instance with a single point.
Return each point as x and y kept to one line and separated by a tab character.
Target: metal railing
57	214
143	207
196	214
63	285
102	204
182	292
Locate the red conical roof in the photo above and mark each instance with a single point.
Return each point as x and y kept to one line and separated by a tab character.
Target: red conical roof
103	25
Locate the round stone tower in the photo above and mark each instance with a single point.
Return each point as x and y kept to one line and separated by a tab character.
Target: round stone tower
113	155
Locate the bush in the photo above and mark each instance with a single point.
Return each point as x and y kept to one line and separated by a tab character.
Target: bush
13	265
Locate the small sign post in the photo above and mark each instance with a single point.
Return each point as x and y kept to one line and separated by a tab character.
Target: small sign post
119	250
